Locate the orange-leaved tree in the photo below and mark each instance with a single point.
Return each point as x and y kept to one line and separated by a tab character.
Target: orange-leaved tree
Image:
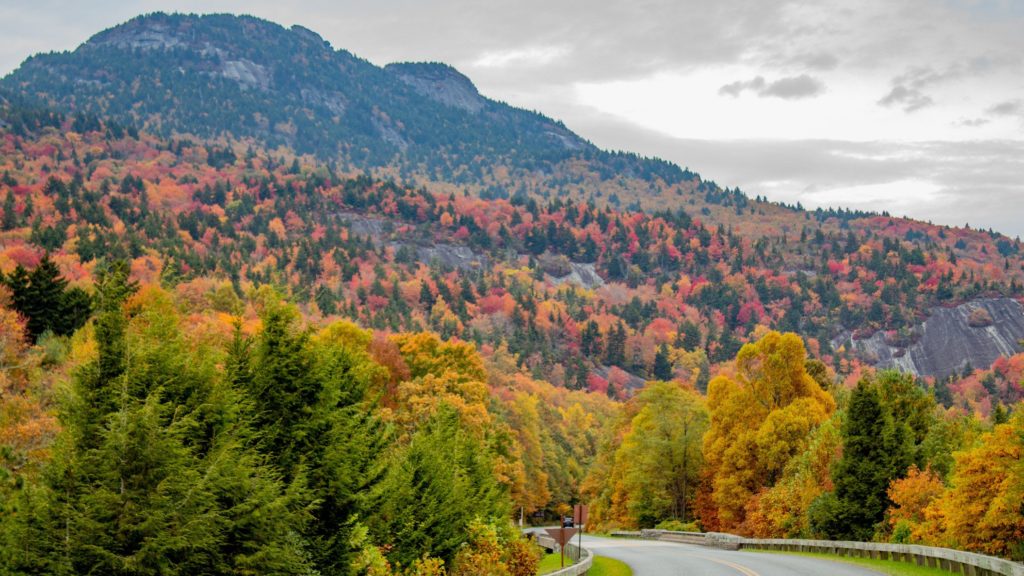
910	497
982	510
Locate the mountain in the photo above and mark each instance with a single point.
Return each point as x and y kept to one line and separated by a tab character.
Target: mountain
224	101
246	78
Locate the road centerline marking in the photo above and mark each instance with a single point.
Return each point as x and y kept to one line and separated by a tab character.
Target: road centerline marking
738	567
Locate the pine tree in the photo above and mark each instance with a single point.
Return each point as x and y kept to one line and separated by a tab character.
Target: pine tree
426	296
10	220
152	473
45	302
662	369
439	483
43	298
691	336
616	349
876	450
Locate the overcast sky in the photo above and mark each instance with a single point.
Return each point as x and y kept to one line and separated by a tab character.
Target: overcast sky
911	106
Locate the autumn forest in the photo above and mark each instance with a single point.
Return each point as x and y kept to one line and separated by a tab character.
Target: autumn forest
221	356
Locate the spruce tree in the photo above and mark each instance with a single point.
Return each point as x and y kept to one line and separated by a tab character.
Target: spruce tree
616	349
10	219
152	473
876	450
426	296
283	390
438	484
306	398
45	302
662	364
43	298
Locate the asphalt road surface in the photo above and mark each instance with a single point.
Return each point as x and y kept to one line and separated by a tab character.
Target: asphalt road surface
650	558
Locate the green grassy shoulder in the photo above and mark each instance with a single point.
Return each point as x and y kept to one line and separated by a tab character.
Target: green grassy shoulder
890	567
602	566
549	563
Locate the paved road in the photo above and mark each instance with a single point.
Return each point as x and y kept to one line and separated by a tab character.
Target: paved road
649	558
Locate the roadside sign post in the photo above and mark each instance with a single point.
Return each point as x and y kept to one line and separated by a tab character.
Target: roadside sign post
562	535
579	518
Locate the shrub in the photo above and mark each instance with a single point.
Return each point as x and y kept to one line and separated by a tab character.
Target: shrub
677	526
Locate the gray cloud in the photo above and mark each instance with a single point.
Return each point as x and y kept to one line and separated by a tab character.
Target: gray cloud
972	122
910	99
908	88
802	86
792	88
823	61
1007	108
734	89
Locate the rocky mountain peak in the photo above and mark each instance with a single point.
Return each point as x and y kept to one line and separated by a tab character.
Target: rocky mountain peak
441	83
143	33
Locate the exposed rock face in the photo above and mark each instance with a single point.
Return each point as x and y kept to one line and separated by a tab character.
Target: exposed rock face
247	73
584	275
440	83
373	228
975	334
333	101
138	35
459	257
390	134
633	382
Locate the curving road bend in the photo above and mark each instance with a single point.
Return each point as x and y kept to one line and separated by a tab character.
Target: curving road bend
651	558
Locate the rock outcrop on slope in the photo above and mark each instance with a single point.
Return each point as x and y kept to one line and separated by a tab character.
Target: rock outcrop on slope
440	83
973	334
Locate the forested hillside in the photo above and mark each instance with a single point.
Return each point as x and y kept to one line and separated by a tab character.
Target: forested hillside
583	296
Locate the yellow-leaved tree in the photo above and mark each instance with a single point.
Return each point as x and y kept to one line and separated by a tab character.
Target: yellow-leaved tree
761	417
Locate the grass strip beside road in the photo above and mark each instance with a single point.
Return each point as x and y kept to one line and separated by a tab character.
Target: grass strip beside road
890	567
549	563
602	566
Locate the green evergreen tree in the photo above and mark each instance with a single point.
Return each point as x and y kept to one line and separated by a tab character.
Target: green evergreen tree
283	390
43	298
152	473
45	302
10	219
876	450
436	486
616	349
582	373
426	296
307	400
662	365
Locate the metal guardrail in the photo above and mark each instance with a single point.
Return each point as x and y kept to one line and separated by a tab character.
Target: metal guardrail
956	561
582	558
